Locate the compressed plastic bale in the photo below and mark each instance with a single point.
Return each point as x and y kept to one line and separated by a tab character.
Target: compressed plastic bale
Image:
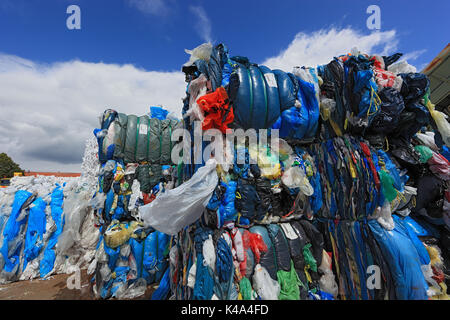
266	287
176	208
35	231
13	237
119	126
130	145
142	138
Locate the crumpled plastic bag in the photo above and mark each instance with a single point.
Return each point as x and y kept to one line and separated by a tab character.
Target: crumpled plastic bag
384	216
327	106
295	177
209	254
327	282
179	207
202	52
402	67
264	285
197	88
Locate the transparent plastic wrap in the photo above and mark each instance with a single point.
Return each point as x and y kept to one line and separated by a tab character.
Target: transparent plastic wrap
427	139
197	88
295	177
202	52
179	207
134	290
402	67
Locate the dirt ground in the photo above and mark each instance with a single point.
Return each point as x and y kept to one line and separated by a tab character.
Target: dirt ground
54	288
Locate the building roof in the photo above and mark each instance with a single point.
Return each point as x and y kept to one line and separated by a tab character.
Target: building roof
56	174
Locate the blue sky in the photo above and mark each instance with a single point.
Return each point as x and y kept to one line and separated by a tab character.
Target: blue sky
128	55
120	31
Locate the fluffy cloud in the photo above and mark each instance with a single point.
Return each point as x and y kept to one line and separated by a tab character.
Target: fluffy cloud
203	24
48	111
321	46
155	7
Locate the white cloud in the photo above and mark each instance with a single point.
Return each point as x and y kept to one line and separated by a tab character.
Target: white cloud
203	24
312	49
48	111
155	7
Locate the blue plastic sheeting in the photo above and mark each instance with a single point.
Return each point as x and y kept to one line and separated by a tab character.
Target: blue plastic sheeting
224	260
158	113
120	279
365	86
307	96
227	210
34	238
403	260
421	250
160	247
163	288
293	123
204	281
11	231
414	226
149	255
56	206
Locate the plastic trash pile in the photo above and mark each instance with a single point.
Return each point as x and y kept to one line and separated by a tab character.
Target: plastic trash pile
349	197
353	205
135	168
46	223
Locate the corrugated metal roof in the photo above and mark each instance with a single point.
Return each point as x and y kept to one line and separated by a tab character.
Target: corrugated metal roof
56	174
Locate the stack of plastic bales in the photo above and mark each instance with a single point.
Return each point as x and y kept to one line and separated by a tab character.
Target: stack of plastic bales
46	223
333	214
135	167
